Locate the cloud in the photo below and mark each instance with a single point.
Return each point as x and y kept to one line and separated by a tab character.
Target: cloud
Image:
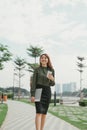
74	31
22	22
54	3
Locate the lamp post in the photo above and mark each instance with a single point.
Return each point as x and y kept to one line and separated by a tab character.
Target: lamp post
80	65
55	96
13	90
13	83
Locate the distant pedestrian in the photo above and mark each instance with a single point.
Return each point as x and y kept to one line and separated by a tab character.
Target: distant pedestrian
43	78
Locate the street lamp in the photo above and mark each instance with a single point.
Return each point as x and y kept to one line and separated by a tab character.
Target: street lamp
81	66
13	82
54	98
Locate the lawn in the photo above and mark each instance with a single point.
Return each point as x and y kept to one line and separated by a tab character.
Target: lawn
3	112
75	115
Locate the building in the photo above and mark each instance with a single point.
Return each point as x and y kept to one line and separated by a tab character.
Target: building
69	87
58	88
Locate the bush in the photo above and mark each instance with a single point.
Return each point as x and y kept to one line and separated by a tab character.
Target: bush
83	103
52	101
10	95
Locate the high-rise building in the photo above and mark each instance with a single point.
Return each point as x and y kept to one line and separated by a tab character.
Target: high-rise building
58	88
69	87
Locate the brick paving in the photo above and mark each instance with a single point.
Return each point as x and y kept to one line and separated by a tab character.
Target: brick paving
21	116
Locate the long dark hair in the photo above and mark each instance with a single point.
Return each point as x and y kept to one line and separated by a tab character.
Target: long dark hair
49	64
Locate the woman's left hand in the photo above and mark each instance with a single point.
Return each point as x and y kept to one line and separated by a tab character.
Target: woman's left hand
50	76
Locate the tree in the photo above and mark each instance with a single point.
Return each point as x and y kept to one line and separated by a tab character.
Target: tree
20	65
31	67
34	51
5	55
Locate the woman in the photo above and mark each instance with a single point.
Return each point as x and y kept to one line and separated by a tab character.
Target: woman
43	77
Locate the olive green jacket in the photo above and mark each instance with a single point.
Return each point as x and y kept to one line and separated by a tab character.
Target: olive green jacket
40	78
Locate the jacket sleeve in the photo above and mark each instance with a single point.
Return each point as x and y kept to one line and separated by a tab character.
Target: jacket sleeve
52	83
33	86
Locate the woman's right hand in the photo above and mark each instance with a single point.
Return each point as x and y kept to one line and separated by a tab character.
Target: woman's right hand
32	99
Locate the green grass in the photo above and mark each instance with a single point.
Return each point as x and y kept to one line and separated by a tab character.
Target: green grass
74	115
3	112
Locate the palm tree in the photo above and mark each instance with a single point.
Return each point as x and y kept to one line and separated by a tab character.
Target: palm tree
31	67
5	55
34	51
20	65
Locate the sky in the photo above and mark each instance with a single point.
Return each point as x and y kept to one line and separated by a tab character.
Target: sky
59	26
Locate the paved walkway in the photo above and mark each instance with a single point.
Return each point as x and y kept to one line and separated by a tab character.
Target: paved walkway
21	116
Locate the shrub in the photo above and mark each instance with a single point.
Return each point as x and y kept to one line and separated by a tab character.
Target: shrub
10	95
52	101
83	103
